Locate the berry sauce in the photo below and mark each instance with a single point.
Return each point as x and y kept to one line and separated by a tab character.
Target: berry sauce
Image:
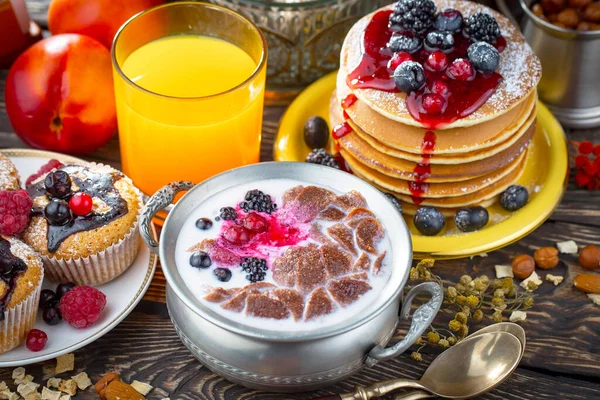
341	130
100	185
422	170
349	101
11	267
462	98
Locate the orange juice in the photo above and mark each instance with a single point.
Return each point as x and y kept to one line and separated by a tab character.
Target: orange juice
192	112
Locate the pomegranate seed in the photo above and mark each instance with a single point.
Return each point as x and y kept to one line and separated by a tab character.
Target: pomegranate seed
36	340
437	61
581	179
461	70
256	223
440	87
597	150
237	235
81	204
581	161
586	147
434	103
397	59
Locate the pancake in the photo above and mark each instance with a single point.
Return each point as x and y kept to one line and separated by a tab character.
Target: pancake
434	190
411	209
476	198
337	117
449	141
403	169
519	67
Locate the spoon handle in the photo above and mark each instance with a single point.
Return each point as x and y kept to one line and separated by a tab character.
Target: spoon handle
415	395
376	390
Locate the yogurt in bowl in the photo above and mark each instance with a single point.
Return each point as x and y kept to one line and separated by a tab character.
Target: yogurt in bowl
283	254
290	289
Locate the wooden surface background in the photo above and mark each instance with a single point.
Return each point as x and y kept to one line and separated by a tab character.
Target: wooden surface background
561	361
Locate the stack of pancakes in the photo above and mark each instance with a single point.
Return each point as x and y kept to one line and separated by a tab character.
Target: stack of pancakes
463	163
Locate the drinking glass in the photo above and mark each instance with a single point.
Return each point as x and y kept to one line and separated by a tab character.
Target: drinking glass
166	137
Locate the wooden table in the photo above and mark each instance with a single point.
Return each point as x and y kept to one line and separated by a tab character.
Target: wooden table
561	361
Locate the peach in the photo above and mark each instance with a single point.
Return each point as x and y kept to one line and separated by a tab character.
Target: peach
59	95
100	19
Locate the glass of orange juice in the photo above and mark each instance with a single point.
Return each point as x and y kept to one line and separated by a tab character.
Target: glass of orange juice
189	84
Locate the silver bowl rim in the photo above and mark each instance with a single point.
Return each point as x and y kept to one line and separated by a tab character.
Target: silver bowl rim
567	34
363	317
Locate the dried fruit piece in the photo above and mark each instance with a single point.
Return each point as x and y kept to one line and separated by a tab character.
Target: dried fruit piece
546	257
588	283
523	266
589	257
118	390
103	383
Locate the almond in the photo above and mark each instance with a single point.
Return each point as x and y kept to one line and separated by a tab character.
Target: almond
118	390
588	283
103	383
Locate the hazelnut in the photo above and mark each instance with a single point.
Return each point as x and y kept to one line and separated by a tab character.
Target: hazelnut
538	10
568	17
592	12
523	266
546	257
589	257
553	6
579	4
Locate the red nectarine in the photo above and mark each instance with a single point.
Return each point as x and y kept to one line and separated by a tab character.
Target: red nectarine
59	95
100	19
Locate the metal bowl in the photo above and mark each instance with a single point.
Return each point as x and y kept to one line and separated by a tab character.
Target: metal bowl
289	361
570	69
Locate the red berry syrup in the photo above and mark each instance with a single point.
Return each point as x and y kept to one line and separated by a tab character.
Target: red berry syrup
422	171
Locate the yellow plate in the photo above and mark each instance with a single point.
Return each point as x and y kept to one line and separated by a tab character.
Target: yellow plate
546	175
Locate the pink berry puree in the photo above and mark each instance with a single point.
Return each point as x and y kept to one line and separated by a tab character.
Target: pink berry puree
293	256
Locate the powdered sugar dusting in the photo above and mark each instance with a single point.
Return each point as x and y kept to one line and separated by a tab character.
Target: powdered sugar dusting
9	178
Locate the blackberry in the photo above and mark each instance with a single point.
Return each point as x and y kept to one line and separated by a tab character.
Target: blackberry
228	214
483	56
514	198
438	40
258	201
394	201
322	157
413	15
255	268
471	219
409	76
482	27
409	44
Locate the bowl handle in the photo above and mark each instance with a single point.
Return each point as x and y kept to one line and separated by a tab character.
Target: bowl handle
161	199
421	320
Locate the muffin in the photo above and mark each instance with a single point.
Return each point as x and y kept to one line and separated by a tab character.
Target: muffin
9	177
84	223
20	287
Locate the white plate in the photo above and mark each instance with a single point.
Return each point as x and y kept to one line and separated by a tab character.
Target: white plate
122	294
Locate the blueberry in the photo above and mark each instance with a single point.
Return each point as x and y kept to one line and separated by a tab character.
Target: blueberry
204	224
316	132
64	288
449	20
429	221
52	316
514	197
471	219
409	76
409	44
48	299
57	212
223	274
58	184
394	201
483	56
437	40
200	260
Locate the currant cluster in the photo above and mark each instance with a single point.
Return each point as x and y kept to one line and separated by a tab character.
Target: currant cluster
587	164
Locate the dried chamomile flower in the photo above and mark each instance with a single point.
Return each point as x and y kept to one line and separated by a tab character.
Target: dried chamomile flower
454	325
416	356
466	280
451	340
478	315
499	293
419	341
444	343
497	316
497	301
464	331
528	302
461	300
433	337
461	317
414	274
472	301
451	294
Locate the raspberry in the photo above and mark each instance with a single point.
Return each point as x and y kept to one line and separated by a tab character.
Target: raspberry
44	169
255	223
586	147
82	305
15	206
581	161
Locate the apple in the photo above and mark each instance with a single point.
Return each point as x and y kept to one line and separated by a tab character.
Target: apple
100	19
59	95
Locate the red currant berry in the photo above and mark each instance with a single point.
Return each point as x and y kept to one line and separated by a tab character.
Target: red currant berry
597	150
81	204
590	169
597	161
434	103
461	70
581	161
440	87
36	340
437	61
397	59
256	223
586	147
581	179
591	185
